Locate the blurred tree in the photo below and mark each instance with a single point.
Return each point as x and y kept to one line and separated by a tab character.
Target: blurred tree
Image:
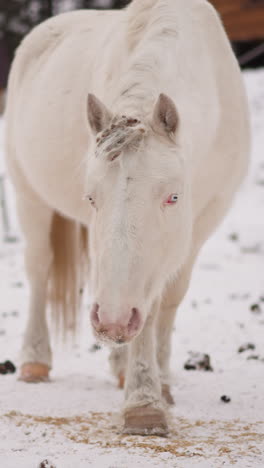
17	18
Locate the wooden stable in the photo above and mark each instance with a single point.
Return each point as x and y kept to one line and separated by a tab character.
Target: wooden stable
243	19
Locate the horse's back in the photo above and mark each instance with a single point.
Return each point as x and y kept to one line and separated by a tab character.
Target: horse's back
75	53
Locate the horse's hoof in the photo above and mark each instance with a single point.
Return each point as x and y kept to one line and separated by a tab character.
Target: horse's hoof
34	372
145	421
121	381
166	393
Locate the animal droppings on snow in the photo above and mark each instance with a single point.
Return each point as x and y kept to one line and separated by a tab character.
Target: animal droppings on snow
234	237
7	367
225	399
239	297
255	308
198	361
252	248
18	284
46	464
245	347
254	357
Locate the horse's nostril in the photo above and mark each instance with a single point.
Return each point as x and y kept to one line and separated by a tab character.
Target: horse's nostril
120	331
134	321
94	314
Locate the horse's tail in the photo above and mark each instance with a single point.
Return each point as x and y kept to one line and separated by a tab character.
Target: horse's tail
70	253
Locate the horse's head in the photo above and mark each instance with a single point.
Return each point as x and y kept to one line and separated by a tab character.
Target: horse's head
141	224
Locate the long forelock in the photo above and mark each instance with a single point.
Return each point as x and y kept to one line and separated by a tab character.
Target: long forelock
123	133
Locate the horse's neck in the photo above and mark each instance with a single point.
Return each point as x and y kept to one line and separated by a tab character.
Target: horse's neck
141	81
138	103
136	93
140	67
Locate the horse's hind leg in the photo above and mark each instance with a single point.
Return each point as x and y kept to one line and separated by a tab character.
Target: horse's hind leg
35	220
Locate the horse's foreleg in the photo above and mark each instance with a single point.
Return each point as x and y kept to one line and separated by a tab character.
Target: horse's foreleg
176	291
172	298
35	220
143	403
118	363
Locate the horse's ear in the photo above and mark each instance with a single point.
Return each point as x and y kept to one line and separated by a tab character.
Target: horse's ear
165	117
98	115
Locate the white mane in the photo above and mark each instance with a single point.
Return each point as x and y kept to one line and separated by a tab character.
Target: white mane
149	37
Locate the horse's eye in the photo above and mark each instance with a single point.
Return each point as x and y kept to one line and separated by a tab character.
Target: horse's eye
172	199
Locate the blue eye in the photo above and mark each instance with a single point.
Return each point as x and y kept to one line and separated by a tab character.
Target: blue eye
172	199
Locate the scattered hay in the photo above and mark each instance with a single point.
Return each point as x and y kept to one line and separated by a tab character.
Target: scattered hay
203	439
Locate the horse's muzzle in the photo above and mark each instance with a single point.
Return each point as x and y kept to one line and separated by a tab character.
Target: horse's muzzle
119	331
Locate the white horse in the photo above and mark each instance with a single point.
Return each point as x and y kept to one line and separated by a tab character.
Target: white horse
148	171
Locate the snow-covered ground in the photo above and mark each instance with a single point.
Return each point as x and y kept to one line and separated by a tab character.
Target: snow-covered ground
74	420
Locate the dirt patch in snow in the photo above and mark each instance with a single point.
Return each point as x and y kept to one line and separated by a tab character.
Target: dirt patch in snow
233	439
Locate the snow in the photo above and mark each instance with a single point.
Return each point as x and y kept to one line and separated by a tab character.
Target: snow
74	420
